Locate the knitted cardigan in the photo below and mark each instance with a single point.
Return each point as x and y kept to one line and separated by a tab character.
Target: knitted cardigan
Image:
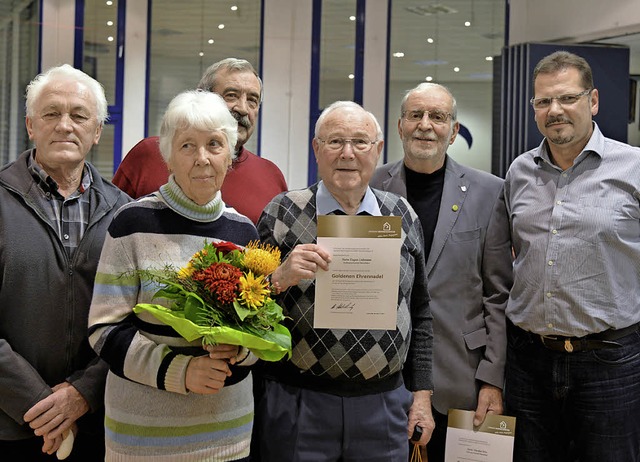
356	361
150	415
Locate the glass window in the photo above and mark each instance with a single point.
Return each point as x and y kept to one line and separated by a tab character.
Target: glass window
19	36
99	60
337	51
187	37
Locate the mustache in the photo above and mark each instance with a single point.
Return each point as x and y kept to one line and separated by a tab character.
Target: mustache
243	120
555	120
429	136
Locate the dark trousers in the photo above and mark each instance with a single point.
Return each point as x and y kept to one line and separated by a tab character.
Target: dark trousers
86	448
589	397
300	425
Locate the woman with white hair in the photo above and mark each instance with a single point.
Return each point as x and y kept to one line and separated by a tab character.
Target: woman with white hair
166	400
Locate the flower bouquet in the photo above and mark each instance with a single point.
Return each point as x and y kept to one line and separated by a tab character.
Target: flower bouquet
223	295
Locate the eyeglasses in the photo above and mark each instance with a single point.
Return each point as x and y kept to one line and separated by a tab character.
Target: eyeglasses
437	117
564	100
360	145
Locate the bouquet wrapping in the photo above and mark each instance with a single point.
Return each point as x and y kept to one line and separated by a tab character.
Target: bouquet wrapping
223	296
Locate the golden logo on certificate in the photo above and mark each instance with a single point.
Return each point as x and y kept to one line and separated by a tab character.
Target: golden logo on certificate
492	441
360	290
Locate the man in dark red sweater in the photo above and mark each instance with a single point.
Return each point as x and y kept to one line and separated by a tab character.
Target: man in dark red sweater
252	181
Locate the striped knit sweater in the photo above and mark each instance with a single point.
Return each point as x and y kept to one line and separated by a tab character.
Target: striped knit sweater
149	413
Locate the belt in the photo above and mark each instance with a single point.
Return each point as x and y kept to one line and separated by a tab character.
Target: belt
604	339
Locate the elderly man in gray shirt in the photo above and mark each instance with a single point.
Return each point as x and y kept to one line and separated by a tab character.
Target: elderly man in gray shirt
573	359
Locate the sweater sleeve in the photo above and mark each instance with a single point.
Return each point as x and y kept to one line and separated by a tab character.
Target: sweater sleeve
113	331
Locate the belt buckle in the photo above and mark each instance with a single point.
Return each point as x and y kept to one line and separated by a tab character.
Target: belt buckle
567	346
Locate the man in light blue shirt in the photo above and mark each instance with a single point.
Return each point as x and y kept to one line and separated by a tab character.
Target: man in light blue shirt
573	360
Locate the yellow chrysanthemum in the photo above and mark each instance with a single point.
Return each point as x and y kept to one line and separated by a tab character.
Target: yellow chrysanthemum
186	272
260	258
254	290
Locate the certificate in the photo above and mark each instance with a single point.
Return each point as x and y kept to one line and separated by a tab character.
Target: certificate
492	441
360	289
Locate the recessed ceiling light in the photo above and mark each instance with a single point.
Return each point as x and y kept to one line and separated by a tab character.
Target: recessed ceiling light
398	54
489	58
428	78
210	41
109	23
456	69
201	53
234	8
110	38
467	23
109	3
351	76
429	40
220	26
352	18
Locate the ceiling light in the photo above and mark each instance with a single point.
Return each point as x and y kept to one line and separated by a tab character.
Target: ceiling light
352	18
210	41
351	76
398	54
220	26
467	23
489	58
110	38
456	69
429	40
109	23
201	54
234	8
109	3
428	78
428	10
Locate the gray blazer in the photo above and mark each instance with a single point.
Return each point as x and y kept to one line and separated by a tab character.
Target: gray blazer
469	275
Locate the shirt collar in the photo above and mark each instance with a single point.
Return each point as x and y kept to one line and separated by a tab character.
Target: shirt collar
326	203
595	145
48	184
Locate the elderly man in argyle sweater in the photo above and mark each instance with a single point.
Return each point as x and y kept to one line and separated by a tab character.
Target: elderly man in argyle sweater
342	396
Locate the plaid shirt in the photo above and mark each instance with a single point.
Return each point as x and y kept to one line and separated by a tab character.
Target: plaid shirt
71	214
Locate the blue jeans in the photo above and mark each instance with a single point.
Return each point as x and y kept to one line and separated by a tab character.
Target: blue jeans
588	399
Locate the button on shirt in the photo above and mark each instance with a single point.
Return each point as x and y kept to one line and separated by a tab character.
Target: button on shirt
576	235
69	216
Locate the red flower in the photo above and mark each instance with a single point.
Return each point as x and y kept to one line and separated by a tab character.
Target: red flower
225	247
222	280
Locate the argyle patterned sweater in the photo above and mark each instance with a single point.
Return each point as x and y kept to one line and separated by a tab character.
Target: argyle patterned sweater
352	362
149	413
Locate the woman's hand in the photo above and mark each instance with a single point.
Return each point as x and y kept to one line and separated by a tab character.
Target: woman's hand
206	375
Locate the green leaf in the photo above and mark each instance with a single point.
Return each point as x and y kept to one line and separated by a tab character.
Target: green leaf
241	310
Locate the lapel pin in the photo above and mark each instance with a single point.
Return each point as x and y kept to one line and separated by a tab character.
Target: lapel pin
455	207
464	188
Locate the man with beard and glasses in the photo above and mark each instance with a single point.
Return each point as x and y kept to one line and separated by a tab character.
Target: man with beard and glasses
143	169
573	351
467	257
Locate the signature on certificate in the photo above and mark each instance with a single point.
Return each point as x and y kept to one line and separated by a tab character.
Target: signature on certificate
344	306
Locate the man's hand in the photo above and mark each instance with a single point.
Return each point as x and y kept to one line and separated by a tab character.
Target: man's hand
302	263
489	401
420	414
56	413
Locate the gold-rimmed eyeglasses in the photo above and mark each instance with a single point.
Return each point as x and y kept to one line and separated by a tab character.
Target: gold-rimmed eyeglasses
436	116
564	100
360	145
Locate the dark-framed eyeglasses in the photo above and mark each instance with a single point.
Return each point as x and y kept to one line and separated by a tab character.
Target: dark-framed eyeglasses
359	145
563	100
436	116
